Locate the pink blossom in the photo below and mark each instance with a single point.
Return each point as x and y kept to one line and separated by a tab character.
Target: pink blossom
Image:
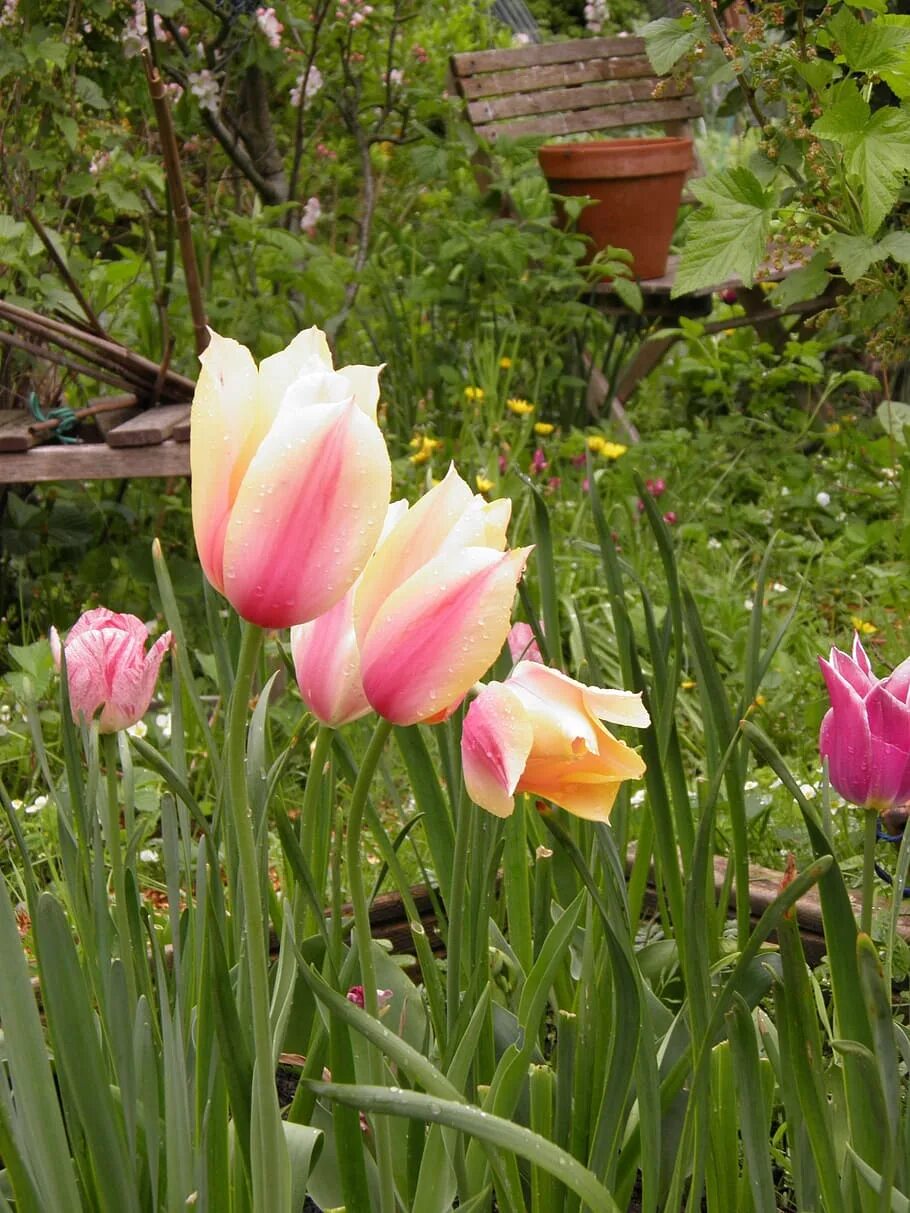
865	734
312	213
205	88
270	26
670	518
539	462
656	487
107	667
308	85
523	644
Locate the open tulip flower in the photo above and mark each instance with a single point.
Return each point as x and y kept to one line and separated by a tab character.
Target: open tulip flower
540	732
290	477
865	734
326	657
107	667
432	610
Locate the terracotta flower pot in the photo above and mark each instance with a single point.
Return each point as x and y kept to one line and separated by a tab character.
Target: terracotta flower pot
637	184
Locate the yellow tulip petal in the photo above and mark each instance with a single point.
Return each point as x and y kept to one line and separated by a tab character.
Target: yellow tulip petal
225	429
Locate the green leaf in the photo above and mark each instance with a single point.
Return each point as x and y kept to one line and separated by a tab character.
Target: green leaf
873	47
897	78
894	417
896	245
90	93
808	282
668	39
487	1128
124	200
854	253
876	147
728	236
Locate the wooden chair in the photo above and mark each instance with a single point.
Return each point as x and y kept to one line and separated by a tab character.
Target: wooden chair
599	86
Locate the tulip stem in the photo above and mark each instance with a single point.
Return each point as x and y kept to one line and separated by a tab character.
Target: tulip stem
311	832
365	944
112	829
268	1153
868	871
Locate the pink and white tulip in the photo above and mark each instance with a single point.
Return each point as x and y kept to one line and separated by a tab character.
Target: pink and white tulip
540	732
523	644
326	657
107	667
290	477
432	609
865	734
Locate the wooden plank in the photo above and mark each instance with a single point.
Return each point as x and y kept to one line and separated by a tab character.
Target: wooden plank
562	100
94	461
469	63
182	430
646	113
14	432
151	426
110	416
583	71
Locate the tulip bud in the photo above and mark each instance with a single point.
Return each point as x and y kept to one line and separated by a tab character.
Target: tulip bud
107	667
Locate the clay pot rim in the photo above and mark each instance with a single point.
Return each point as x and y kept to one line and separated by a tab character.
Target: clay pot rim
637	157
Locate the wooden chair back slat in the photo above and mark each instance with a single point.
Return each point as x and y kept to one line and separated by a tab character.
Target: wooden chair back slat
556	75
566	88
575	122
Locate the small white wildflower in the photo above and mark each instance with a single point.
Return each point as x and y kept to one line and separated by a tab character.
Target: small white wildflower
750	785
823	499
205	88
637	798
148	855
17	805
748	604
808	790
5	713
37	805
270	26
778	587
308	85
312	213
163	724
784	492
139	729
714	544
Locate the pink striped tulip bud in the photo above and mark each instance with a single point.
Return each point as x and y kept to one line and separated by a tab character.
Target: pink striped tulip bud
523	644
432	609
107	667
865	734
540	732
326	657
291	477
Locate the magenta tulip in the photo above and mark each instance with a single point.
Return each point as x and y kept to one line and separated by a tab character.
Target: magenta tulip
432	609
540	732
291	477
865	734
107	667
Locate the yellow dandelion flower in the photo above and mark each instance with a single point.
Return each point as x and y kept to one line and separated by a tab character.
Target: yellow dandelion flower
416	442
760	701
505	362
543	428
596	443
863	626
613	450
474	393
419	457
520	407
483	484
687	685
833	428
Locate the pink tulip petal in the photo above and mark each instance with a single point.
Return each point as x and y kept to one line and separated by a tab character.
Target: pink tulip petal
523	644
889	777
898	681
495	744
226	429
307	516
415	541
327	665
859	656
565	710
132	684
853	672
100	617
483	524
846	739
439	632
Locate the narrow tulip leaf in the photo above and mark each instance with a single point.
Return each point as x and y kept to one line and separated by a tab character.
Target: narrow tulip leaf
546	576
39	1136
878	1006
493	1130
80	1062
898	1201
754	1124
431	801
